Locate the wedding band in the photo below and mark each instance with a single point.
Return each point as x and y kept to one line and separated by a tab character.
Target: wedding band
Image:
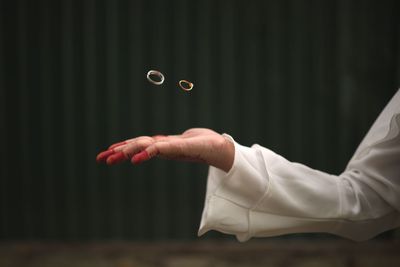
186	85
156	73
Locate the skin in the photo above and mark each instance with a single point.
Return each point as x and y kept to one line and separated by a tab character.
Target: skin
196	145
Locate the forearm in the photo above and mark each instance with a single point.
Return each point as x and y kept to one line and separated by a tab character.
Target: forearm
266	195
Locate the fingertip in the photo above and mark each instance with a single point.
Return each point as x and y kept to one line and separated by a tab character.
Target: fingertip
101	157
116	158
140	157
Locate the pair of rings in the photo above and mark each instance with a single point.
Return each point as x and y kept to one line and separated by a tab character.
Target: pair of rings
183	84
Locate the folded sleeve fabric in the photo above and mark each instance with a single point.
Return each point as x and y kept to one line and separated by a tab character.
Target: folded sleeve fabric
264	194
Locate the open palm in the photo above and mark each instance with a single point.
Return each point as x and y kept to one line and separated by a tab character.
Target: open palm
197	144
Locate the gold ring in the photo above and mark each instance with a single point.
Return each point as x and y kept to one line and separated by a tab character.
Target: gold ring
186	85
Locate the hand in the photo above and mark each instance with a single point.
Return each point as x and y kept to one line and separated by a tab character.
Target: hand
197	145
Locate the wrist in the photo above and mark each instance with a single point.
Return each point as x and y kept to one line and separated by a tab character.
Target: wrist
229	154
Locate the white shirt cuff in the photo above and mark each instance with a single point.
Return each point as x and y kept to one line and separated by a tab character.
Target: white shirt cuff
231	195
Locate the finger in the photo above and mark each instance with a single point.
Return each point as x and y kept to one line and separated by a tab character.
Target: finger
128	143
162	148
150	152
140	157
113	155
117	144
135	147
116	158
101	157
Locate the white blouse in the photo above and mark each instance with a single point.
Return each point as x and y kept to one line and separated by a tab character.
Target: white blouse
266	195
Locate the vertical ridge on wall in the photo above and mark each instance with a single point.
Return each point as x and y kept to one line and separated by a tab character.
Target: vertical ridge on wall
6	125
322	62
345	88
299	71
24	116
226	72
3	136
46	83
69	56
114	95
34	142
12	127
396	44
238	71
203	59
250	47
274	32
91	114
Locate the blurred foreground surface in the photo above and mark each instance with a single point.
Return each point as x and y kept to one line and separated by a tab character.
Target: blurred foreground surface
202	254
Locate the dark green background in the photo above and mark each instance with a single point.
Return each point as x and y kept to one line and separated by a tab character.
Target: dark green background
303	78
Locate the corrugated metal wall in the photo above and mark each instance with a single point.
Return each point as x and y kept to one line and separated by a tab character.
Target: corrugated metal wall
304	78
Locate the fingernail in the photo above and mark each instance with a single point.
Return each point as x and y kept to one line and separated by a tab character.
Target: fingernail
116	158
140	157
117	144
104	155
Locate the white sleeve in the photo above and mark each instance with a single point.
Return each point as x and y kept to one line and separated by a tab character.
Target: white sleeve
266	195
